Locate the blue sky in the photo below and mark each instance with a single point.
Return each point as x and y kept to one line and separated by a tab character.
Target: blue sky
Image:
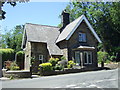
45	13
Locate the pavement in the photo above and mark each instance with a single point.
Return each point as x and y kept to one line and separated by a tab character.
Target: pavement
93	79
4	79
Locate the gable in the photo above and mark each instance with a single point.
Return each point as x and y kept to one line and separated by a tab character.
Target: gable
44	34
74	40
71	28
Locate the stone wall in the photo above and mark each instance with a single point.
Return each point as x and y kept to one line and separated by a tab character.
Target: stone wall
27	56
17	74
63	46
36	50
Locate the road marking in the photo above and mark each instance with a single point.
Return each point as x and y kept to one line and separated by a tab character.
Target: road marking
77	87
106	80
92	85
70	85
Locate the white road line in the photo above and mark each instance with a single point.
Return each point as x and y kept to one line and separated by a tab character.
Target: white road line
72	85
106	80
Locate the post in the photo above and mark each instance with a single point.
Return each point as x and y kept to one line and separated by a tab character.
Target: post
102	64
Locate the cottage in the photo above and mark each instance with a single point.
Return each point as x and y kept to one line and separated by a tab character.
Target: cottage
76	41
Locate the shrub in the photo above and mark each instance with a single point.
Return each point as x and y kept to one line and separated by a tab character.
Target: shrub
102	56
14	66
7	54
58	67
70	64
7	64
63	58
53	61
63	63
46	66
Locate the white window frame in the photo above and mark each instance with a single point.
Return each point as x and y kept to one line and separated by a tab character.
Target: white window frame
88	52
41	57
77	52
82	37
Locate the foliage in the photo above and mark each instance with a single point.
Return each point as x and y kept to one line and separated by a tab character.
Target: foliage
63	63
58	67
53	61
13	39
105	19
7	64
46	66
102	56
12	3
20	59
32	60
11	77
14	66
7	54
63	58
70	64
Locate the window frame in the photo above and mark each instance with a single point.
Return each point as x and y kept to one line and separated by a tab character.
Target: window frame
88	53
82	37
41	59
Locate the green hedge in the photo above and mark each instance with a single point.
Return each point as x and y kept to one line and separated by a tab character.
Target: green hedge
7	54
20	56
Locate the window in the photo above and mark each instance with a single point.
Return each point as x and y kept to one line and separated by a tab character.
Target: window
40	57
77	58
82	37
88	57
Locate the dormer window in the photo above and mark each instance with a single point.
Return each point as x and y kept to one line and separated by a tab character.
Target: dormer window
82	37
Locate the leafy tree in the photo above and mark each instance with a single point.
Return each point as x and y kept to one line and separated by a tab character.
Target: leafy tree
105	19
13	38
11	2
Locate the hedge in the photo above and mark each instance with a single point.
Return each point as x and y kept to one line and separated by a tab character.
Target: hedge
7	54
20	56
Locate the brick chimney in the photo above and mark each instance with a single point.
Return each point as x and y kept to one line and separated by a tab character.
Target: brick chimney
64	19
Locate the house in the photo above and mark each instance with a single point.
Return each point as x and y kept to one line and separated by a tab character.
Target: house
76	41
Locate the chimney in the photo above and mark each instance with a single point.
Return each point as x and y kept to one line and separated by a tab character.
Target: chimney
65	19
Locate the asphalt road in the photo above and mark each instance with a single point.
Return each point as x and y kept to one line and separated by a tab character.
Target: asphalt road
93	79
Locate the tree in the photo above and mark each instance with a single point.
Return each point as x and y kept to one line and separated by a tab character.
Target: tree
104	17
13	38
11	2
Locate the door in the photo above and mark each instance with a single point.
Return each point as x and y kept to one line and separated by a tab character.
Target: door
77	58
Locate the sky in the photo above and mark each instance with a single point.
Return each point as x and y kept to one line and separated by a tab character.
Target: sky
45	13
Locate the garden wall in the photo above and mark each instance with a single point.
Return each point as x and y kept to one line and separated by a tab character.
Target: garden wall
66	71
17	74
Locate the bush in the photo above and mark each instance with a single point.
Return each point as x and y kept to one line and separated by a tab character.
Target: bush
63	58
63	63
14	66
102	56
46	66
53	61
70	64
7	54
58	67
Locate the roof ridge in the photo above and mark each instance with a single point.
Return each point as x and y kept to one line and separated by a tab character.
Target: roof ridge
42	25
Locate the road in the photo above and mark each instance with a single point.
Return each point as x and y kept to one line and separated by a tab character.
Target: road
93	79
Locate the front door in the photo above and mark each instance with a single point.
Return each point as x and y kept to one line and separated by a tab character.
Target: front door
78	58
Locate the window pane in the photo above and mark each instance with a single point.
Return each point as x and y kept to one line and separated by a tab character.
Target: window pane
82	37
90	57
77	57
85	57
